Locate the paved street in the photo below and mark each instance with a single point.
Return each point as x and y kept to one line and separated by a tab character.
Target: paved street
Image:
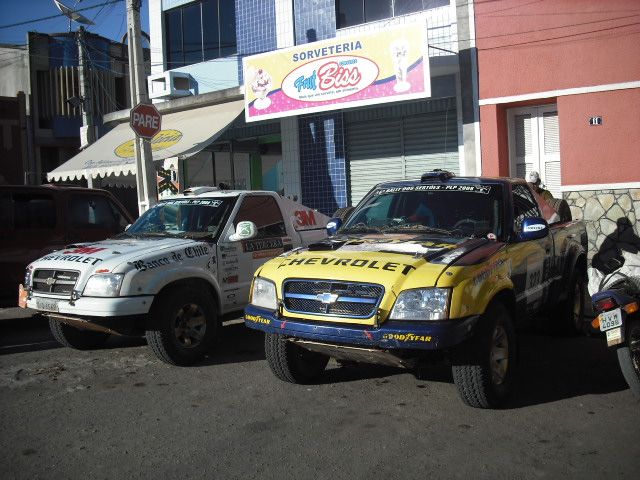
120	413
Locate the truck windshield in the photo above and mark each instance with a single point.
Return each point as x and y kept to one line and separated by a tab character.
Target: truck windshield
453	210
184	217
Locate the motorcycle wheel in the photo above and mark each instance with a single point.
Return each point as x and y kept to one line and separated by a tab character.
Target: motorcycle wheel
629	357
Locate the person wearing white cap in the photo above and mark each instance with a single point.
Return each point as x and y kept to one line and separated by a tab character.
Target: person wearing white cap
534	179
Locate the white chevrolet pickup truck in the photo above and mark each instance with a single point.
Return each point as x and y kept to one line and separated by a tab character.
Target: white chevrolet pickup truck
171	275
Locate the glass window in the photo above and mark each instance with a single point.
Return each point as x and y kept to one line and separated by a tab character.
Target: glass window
453	210
187	218
377	10
404	7
265	213
173	32
524	206
227	28
34	211
349	12
210	30
192	33
200	31
92	211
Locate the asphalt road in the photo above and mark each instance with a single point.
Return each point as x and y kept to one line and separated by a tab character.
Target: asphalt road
121	413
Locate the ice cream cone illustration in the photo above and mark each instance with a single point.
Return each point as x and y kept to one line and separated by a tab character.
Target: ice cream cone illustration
399	55
261	86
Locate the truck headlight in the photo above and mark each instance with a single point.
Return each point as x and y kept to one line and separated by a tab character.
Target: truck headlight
422	304
103	285
263	294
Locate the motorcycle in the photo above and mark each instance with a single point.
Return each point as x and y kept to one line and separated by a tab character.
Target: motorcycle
617	304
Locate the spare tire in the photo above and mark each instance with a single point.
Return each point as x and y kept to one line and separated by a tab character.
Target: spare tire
562	207
343	213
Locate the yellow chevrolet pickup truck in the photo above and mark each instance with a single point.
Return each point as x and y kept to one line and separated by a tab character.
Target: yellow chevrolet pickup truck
442	267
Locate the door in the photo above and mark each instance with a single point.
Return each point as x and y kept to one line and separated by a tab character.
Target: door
239	260
534	144
530	266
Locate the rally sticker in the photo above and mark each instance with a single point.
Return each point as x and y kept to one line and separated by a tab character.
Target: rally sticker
484	189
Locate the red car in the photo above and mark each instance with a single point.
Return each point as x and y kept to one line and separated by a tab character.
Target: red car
35	220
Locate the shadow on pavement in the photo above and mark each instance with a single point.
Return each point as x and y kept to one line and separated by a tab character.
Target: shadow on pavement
555	368
549	368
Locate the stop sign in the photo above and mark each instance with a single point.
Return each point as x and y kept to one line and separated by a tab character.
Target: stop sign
145	120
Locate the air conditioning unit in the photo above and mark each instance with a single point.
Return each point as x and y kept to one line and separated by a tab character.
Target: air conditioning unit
166	85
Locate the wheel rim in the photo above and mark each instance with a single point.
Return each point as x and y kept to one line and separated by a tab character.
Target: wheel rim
499	358
190	325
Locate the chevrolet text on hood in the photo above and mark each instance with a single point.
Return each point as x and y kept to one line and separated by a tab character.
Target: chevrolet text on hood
419	270
170	275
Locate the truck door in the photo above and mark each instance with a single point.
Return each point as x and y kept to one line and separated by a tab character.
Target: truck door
530	260
239	260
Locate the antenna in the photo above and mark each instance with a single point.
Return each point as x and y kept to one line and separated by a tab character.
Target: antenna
72	15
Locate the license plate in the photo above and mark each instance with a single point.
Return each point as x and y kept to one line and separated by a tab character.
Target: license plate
46	304
610	319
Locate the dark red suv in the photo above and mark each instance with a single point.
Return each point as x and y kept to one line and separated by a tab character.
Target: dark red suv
35	220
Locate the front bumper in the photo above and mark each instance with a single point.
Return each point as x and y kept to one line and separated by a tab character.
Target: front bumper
93	306
390	335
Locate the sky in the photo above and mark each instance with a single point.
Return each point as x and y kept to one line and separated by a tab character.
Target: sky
110	20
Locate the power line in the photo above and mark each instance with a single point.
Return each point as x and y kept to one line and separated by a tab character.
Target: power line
26	22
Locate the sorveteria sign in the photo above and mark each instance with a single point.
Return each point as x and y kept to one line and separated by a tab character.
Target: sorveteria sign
362	69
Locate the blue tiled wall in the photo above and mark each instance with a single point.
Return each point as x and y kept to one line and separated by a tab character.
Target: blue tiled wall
255	28
322	162
322	155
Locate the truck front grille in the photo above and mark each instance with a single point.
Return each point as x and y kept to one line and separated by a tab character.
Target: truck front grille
332	298
59	282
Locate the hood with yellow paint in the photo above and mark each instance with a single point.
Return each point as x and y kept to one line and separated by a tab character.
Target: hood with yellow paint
397	262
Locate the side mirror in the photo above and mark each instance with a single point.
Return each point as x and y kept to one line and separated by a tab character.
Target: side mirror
244	231
534	228
333	225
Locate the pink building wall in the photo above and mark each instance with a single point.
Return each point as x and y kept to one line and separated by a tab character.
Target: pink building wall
535	47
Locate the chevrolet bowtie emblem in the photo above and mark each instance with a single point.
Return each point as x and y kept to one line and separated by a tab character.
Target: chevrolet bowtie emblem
327	298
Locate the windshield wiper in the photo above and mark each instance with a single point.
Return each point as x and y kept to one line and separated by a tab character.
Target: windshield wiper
361	228
418	227
196	235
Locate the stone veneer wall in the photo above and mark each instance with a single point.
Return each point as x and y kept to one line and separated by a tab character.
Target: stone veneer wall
602	210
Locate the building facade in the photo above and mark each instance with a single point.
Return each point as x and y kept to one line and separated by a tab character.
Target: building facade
330	159
43	79
560	94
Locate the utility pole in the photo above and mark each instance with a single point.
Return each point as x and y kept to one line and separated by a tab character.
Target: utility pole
86	95
145	170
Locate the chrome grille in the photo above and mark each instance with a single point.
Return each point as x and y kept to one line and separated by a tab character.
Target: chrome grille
59	282
338	299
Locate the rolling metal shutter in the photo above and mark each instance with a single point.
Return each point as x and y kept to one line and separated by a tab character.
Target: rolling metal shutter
400	142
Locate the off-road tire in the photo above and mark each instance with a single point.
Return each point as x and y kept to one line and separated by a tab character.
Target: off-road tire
75	338
471	360
171	309
629	356
291	363
573	323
